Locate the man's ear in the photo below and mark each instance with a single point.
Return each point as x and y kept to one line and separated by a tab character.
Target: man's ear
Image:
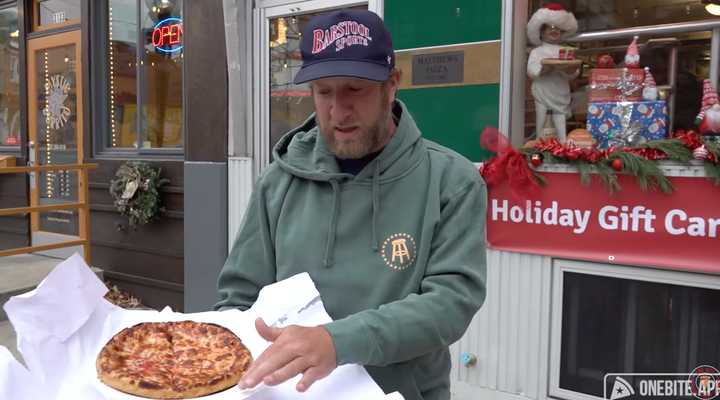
394	83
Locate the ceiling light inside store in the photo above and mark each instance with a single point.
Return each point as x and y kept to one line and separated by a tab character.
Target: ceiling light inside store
712	6
15	34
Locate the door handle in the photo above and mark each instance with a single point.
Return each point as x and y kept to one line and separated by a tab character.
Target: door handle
31	163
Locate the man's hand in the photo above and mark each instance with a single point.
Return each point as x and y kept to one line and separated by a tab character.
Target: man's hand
294	350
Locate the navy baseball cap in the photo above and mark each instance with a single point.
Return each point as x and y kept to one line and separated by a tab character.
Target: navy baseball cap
348	43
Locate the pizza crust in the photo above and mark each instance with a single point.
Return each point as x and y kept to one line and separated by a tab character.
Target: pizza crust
161	360
160	393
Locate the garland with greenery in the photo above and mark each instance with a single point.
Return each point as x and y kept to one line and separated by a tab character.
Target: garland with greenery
136	192
638	161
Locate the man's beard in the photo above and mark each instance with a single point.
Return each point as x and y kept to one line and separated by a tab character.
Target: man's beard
369	138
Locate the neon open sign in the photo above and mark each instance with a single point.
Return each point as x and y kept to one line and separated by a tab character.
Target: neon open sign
167	35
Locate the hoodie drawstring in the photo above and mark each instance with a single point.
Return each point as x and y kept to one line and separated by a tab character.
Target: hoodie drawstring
375	203
329	250
328	260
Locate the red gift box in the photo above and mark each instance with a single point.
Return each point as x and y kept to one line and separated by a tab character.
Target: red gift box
609	84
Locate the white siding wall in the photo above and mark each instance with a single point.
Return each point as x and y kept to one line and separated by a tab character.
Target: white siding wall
510	334
240	183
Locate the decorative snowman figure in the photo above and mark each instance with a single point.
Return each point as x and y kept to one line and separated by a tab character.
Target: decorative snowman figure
550	87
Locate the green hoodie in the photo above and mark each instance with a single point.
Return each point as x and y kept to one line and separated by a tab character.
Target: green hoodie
397	251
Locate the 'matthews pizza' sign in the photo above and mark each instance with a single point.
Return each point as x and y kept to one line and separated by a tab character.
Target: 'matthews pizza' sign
566	219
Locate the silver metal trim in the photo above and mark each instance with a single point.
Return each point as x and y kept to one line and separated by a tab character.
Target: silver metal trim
714	56
506	60
672	81
668	168
661	29
519	70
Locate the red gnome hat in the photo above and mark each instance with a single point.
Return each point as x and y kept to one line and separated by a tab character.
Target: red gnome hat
649	79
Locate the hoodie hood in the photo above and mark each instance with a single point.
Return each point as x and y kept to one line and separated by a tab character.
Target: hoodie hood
303	153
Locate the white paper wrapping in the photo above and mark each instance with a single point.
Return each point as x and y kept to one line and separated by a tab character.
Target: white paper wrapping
62	325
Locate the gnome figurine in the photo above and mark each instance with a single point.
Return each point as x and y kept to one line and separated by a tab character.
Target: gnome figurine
547	27
708	119
632	57
650	91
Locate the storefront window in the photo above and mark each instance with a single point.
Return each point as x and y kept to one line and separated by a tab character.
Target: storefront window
613	325
9	77
290	104
593	15
155	44
583	85
53	12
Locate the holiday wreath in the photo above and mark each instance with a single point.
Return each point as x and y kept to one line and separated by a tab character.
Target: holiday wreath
136	192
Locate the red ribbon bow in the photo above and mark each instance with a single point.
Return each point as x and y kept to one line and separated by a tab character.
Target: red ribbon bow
691	139
508	164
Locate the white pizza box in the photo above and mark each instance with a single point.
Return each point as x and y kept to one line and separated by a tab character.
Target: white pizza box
62	325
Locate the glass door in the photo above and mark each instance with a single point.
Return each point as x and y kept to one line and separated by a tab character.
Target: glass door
279	104
55	122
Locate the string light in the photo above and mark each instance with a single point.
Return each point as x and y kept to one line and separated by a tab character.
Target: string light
112	82
49	176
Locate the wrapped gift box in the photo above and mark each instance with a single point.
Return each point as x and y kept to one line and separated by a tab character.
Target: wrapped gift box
620	123
616	84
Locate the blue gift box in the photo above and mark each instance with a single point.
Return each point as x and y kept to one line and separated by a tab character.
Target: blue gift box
627	123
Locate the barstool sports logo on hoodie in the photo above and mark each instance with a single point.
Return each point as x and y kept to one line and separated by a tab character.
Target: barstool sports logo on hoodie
398	251
701	383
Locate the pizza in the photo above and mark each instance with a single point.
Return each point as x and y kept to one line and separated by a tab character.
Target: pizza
173	360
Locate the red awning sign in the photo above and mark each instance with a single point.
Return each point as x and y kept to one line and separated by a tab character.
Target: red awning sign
566	219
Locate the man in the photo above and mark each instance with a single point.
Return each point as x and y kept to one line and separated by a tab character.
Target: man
389	226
